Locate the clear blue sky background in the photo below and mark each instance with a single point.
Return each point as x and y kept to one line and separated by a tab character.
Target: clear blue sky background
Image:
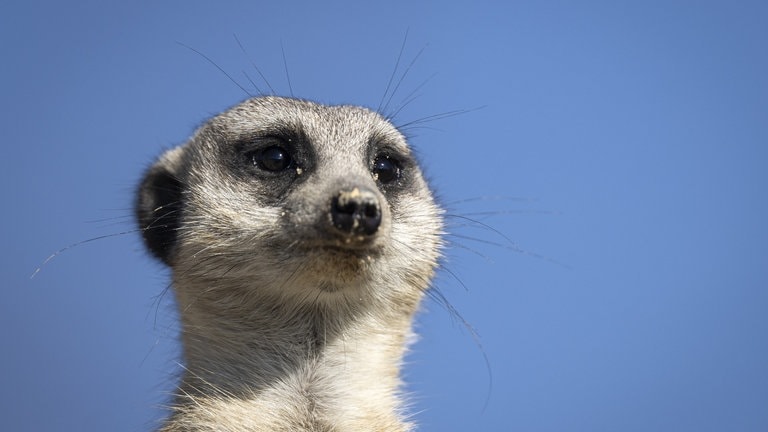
630	140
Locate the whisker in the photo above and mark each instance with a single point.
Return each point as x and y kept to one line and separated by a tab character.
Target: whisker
402	78
256	67
469	249
510	245
285	65
435	117
412	96
261	93
453	312
394	72
217	67
512	212
82	242
493	198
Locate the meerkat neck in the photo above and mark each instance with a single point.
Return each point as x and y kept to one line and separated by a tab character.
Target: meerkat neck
327	367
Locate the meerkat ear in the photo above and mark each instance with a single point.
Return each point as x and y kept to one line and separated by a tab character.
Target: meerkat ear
159	202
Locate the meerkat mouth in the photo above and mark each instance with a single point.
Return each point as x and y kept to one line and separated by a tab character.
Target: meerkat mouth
342	253
336	256
356	248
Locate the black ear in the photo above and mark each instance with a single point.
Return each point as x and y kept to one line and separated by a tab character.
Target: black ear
158	208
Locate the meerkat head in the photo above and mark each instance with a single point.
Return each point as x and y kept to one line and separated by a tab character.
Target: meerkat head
289	198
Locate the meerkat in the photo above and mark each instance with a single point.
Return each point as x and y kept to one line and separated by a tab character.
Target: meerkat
302	238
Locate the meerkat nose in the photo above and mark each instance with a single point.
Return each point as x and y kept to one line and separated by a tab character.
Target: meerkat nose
356	212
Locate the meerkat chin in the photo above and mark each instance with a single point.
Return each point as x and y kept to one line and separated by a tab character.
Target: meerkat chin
301	238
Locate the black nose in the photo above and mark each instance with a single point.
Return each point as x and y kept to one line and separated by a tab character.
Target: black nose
356	212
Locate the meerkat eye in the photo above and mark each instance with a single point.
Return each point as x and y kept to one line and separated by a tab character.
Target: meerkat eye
385	170
273	158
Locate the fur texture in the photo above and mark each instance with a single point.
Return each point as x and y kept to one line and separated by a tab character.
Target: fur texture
294	318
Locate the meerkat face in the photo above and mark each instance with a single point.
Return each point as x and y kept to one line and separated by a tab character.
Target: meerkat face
294	198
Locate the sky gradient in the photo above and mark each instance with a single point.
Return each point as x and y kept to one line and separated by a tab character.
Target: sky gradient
617	151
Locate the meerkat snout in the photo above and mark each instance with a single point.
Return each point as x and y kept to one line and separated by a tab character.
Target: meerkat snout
356	212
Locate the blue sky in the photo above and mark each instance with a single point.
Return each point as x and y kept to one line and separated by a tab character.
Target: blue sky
620	154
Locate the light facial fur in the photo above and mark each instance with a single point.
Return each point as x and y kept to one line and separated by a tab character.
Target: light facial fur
302	238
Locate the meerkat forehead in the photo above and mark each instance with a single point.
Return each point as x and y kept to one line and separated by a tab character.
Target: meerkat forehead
332	129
